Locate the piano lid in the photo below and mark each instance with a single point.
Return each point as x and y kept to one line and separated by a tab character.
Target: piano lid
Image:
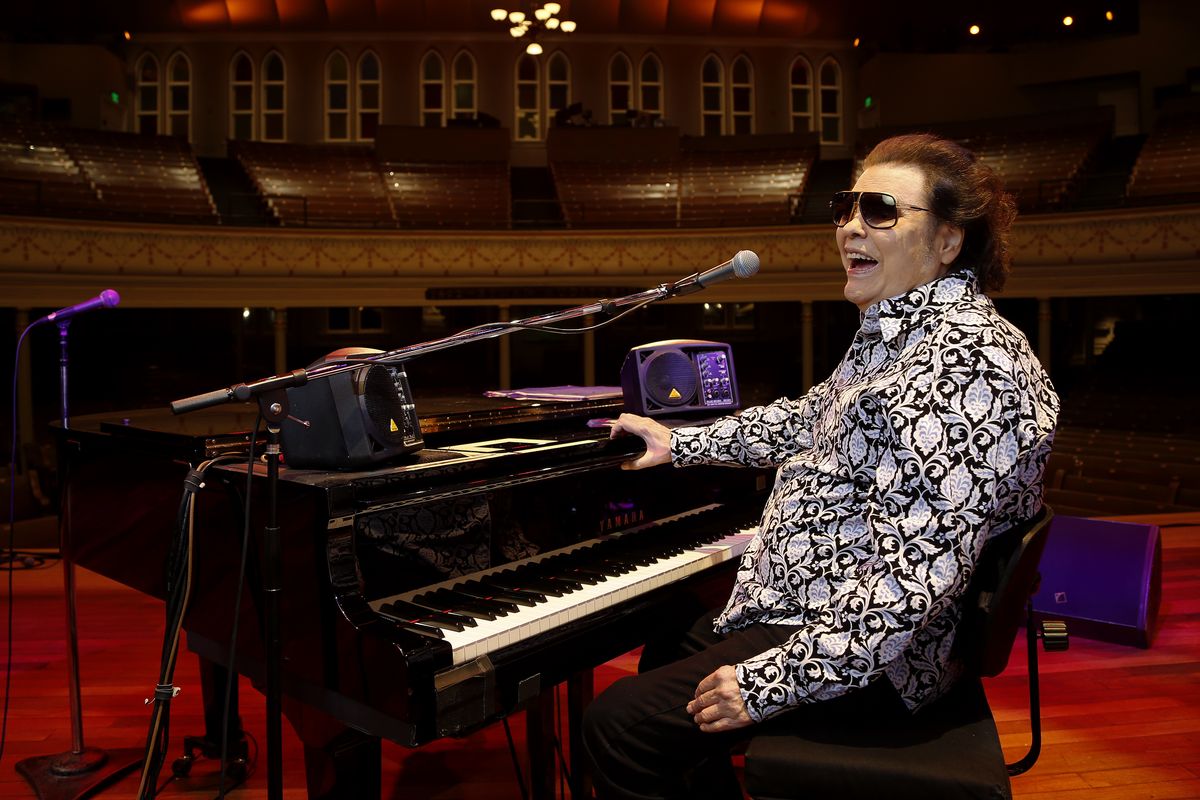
226	429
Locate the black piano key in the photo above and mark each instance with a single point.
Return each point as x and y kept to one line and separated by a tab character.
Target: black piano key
427	616
408	625
448	600
548	574
506	579
486	590
585	574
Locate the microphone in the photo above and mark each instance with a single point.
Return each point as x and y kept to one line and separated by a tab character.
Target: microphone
743	265
106	299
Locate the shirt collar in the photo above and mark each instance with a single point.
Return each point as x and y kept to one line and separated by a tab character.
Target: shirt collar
889	318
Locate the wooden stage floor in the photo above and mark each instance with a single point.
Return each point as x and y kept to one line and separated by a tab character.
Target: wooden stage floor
1119	722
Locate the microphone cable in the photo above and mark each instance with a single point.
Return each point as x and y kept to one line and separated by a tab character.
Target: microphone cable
231	671
11	551
551	329
179	588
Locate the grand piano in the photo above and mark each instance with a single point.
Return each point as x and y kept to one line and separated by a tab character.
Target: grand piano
426	597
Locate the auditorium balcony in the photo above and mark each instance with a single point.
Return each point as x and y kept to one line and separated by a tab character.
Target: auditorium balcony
74	172
1168	167
638	178
1041	158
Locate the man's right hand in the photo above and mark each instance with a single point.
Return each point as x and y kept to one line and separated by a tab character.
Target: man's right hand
656	436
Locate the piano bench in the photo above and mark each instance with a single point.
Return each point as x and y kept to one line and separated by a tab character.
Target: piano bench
949	750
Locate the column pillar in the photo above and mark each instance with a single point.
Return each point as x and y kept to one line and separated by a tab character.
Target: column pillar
505	315
1044	323
589	352
806	345
24	389
280	326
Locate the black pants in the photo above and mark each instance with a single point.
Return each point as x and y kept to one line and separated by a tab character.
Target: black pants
643	744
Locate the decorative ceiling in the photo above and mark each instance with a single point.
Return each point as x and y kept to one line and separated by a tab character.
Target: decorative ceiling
890	24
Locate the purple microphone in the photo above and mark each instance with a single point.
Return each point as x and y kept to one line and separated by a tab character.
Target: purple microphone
106	299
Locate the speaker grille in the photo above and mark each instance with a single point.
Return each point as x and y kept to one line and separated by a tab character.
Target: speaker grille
384	403
670	379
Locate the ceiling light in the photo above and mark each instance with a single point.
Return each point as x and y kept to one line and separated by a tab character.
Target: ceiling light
1108	15
1068	21
973	30
856	41
535	21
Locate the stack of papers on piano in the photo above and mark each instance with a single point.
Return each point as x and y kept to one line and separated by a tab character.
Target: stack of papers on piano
558	393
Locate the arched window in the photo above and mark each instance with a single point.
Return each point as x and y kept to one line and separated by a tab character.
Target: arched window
801	95
620	87
558	83
368	93
274	99
741	93
433	90
650	86
147	94
831	102
462	96
712	96
337	98
179	96
528	100
241	97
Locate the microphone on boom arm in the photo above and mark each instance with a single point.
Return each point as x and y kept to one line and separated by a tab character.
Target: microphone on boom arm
742	265
106	299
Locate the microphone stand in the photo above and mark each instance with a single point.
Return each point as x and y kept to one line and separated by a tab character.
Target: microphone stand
82	771
271	395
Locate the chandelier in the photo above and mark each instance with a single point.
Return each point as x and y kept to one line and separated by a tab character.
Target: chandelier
522	25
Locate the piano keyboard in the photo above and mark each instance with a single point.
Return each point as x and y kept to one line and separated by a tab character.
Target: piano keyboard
484	612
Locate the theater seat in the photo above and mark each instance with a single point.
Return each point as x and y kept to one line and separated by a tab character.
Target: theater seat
950	749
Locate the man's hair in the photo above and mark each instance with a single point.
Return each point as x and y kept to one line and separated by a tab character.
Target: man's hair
964	192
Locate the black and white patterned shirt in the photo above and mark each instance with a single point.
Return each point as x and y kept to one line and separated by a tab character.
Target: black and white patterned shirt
929	438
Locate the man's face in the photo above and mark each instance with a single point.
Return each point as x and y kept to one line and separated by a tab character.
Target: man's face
883	263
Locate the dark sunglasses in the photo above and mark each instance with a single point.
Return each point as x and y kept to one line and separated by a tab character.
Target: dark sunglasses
878	209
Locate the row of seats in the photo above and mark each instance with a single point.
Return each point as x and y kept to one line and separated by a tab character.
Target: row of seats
700	189
1096	472
1169	162
1039	166
101	174
76	172
346	186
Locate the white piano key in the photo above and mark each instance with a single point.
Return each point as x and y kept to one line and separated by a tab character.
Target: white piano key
529	622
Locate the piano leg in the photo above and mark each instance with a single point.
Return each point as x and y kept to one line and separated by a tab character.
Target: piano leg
539	739
580	691
339	761
212	686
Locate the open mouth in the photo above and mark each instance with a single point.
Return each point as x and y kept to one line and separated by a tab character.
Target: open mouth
860	264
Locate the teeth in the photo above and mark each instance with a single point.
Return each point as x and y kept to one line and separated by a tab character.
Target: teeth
859	257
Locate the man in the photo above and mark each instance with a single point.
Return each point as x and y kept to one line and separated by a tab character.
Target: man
929	438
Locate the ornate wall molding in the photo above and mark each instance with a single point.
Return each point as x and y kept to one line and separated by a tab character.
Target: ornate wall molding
46	262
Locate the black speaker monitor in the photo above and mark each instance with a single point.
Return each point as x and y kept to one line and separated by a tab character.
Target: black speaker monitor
679	376
355	418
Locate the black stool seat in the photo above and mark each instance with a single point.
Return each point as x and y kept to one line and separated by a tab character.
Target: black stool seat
948	750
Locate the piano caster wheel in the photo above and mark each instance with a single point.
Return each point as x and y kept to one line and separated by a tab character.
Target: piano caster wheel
182	766
236	768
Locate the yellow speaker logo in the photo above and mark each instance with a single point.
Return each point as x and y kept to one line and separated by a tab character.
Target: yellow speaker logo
392	426
674	395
